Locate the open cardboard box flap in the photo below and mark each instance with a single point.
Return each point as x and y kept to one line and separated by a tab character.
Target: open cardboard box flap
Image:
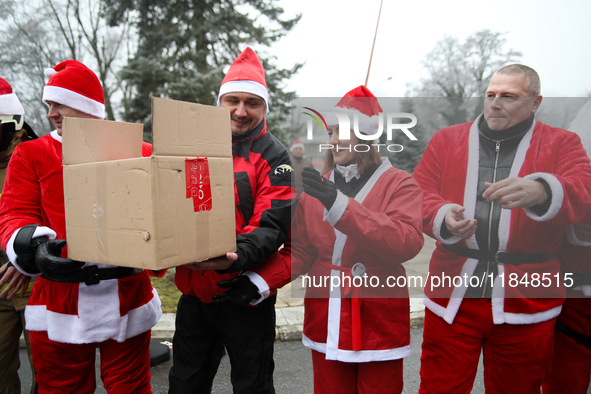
127	210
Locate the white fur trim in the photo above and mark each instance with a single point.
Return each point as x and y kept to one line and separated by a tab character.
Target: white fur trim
367	125
56	136
40	231
438	223
457	296
334	303
337	210
472	174
298	145
502	317
358	356
10	105
96	322
246	87
572	238
73	100
532	318
557	197
333	323
262	285
498	296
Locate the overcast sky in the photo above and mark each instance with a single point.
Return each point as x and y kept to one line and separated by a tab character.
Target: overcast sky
335	39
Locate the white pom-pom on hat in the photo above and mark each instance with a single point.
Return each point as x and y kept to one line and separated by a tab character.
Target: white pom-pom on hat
49	72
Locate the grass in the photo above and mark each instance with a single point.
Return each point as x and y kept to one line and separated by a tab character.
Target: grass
169	294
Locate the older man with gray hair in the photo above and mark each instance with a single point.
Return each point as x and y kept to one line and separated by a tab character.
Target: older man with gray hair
498	192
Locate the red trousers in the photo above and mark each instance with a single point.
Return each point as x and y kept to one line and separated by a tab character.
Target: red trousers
336	377
516	358
571	366
69	368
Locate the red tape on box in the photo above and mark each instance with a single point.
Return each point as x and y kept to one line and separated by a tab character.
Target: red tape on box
198	183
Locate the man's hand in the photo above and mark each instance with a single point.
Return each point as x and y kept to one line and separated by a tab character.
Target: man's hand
583	232
515	192
457	224
242	291
219	263
319	187
14	281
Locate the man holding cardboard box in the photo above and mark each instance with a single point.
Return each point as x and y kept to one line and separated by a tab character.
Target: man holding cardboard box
72	310
263	197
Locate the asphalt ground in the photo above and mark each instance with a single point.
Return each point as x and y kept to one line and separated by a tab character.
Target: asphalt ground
293	370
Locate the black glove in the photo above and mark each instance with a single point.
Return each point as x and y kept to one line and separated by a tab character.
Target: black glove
242	291
52	265
319	187
25	247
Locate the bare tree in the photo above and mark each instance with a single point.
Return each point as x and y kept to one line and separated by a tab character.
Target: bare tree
40	34
461	70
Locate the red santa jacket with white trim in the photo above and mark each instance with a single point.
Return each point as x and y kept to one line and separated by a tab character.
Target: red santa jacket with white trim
380	228
448	175
263	196
69	312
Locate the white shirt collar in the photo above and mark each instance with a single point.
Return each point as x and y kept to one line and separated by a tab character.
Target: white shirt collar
348	172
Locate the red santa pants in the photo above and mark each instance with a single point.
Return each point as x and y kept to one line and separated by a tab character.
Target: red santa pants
516	358
571	366
69	368
351	378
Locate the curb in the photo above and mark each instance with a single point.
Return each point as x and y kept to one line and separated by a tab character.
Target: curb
293	332
289	320
289	323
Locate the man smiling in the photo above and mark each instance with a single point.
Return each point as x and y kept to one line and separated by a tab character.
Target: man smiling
247	111
263	196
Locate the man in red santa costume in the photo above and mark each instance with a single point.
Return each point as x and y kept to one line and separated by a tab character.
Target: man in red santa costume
263	198
498	192
363	217
74	307
571	364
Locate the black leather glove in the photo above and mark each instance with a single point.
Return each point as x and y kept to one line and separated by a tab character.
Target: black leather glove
25	247
319	187
52	265
242	291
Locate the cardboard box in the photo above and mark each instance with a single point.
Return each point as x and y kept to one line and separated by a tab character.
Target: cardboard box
150	212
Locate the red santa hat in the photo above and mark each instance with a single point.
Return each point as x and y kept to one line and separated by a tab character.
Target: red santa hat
73	84
9	103
247	75
362	103
297	144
